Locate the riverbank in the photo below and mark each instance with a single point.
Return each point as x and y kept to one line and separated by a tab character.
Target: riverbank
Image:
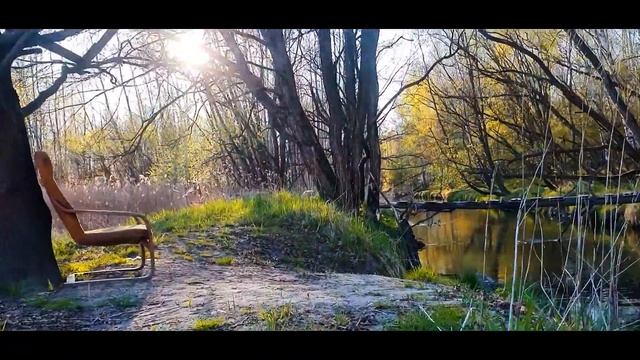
269	262
518	188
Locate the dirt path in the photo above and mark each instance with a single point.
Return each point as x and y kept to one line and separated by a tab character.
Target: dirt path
241	296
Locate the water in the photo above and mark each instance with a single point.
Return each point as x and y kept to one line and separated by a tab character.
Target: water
455	243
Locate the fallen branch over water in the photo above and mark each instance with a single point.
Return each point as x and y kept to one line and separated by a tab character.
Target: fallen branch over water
515	204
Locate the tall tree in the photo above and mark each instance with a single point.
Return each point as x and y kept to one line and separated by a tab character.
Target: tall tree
344	159
25	221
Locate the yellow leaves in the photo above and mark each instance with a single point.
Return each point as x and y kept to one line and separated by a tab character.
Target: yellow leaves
503	51
180	157
98	141
547	43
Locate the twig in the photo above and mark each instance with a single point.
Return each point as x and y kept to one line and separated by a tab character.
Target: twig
429	317
466	318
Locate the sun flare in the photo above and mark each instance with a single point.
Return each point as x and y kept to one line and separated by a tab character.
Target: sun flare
188	49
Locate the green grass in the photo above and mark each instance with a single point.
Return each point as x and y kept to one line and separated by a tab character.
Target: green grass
427	275
382	305
199	242
182	254
124	301
417	297
414	285
340	319
445	318
225	261
63	304
470	280
276	318
421	274
16	290
463	195
294	213
208	324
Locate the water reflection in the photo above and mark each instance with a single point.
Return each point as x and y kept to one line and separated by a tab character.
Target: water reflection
456	241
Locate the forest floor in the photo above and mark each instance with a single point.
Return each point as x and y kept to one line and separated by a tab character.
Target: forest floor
201	284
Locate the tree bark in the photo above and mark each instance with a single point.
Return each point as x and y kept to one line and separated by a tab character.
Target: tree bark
288	111
26	253
368	100
337	119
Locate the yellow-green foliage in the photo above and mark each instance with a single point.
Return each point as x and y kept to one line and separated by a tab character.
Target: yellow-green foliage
225	261
421	274
208	324
276	318
183	159
427	275
72	258
176	157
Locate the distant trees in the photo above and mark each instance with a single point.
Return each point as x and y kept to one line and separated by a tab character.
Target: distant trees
557	105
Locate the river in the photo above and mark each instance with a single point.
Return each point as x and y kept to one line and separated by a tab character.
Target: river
547	251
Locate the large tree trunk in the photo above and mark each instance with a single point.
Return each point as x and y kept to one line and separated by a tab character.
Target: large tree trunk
26	253
368	100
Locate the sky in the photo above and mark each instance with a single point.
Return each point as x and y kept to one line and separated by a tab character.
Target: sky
390	61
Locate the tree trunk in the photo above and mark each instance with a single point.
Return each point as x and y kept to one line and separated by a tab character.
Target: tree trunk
26	253
368	96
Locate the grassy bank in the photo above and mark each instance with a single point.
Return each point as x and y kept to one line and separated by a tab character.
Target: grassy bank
517	189
306	225
488	309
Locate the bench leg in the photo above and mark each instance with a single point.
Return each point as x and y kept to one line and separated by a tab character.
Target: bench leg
109	271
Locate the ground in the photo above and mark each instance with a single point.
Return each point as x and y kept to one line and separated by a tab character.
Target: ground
202	284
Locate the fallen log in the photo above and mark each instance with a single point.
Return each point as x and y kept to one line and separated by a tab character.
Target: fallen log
517	203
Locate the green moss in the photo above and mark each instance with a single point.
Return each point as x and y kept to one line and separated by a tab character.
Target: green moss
413	285
225	261
418	297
